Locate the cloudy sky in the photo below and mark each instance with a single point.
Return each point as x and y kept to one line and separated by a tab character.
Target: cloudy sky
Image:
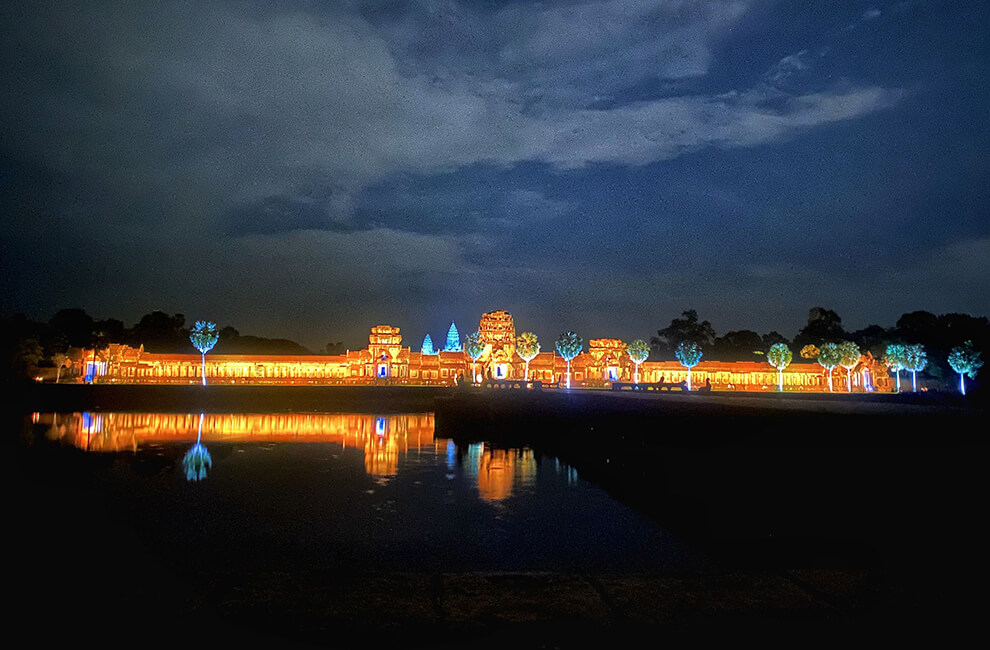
309	169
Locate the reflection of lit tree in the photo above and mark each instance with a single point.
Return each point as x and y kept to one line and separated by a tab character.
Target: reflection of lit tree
197	460
965	360
689	354
896	360
638	351
204	336
915	360
569	346
779	356
849	353
474	349
829	356
527	347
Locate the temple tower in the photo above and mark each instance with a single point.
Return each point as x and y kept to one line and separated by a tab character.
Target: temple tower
385	342
497	333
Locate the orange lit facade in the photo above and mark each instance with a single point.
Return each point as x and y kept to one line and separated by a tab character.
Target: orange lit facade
386	361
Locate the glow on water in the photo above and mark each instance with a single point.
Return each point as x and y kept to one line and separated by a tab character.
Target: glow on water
349	491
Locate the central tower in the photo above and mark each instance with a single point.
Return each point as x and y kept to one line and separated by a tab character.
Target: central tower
497	333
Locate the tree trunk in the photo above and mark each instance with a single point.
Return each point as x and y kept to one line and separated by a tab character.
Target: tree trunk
527	370
914	381
689	377
204	368
780	380
568	374
962	383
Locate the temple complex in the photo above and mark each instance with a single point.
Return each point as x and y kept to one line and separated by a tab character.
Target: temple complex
386	361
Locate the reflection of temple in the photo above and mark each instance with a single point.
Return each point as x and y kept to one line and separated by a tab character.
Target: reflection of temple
385	361
383	438
499	470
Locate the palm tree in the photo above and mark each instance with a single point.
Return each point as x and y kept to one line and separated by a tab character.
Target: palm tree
915	360
849	353
204	336
896	360
474	349
829	357
527	347
638	352
197	460
569	346
779	356
689	354
965	360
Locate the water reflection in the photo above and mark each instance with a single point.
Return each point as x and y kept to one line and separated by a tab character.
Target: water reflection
197	460
384	439
497	470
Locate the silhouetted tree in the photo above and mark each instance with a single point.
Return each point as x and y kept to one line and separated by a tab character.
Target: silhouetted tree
824	326
75	324
159	332
687	328
738	345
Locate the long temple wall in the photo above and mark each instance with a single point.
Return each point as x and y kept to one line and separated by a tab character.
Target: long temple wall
597	368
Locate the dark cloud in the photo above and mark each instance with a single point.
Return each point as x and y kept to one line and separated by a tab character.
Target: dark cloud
305	167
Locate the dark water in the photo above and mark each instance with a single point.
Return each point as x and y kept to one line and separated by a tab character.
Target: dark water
329	493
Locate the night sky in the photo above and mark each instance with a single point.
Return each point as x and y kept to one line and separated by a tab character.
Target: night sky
307	170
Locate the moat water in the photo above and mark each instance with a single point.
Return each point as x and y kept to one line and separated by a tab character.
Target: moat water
228	493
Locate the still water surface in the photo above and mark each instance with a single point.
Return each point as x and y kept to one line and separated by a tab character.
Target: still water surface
347	492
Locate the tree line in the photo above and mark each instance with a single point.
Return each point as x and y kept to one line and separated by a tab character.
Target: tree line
30	346
936	336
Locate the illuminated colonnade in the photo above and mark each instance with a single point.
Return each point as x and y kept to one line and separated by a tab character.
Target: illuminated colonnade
385	361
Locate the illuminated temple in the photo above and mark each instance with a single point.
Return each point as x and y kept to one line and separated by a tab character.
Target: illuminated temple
386	361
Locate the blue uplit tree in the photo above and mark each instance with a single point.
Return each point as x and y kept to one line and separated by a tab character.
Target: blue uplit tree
896	359
829	356
204	336
849	353
569	345
965	360
779	356
638	352
197	460
474	349
428	345
453	343
689	354
915	360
